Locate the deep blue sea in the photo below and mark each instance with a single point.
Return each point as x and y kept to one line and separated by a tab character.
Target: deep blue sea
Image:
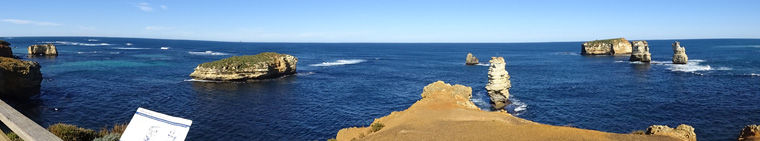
97	82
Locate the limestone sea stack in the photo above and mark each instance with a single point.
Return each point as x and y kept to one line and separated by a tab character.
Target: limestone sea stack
5	49
750	133
640	51
42	49
19	79
471	59
683	132
265	65
446	113
679	54
606	47
498	83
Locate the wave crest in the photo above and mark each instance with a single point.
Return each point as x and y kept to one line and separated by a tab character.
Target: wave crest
339	62
208	53
77	43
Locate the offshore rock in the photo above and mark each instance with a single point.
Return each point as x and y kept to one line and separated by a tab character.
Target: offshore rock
683	131
446	112
247	68
750	133
19	79
606	47
471	60
679	54
43	49
640	51
5	49
498	83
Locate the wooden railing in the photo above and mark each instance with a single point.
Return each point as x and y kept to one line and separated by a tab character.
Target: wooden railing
24	127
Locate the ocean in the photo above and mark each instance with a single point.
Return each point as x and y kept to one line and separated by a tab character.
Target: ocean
99	81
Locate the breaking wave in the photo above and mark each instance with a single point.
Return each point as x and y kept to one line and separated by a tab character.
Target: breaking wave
77	43
755	46
92	40
693	66
129	48
165	48
305	73
91	52
339	62
208	53
516	107
197	80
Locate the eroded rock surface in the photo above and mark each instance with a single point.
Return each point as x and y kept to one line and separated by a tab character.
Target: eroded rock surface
750	133
683	131
471	59
18	78
606	47
640	51
5	49
246	68
679	54
498	83
42	49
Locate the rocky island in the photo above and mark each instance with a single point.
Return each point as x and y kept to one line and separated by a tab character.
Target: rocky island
445	112
42	49
265	65
471	59
5	49
640	51
498	83
679	54
606	47
18	78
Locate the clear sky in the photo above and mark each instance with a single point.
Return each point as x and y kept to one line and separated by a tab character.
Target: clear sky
383	20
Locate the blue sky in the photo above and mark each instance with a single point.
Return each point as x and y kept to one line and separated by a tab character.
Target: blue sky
384	21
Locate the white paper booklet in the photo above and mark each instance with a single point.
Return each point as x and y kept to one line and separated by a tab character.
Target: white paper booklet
149	125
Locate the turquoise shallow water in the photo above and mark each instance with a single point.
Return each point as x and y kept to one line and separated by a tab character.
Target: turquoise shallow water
101	81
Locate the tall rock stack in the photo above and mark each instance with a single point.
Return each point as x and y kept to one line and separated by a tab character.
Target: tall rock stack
498	83
43	49
679	54
471	59
640	51
5	49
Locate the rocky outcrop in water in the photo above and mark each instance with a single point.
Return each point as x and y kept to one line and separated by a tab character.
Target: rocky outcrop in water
5	49
43	49
19	79
683	131
498	83
471	59
750	133
640	51
606	47
446	112
265	65
679	54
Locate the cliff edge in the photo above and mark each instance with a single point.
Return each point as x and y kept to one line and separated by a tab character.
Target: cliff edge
445	112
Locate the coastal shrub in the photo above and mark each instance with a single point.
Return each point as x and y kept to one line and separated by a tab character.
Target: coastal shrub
639	132
109	137
13	136
377	126
609	41
241	61
116	129
70	132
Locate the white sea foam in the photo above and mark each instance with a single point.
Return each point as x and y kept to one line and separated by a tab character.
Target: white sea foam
619	61
636	62
692	67
165	48
196	80
755	46
208	53
114	52
754	74
339	62
483	64
77	43
516	106
92	40
128	44
305	73
91	52
129	48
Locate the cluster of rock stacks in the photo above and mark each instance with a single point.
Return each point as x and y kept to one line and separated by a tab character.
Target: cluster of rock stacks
679	54
42	49
5	49
750	133
606	47
640	51
498	83
247	68
471	59
18	78
683	132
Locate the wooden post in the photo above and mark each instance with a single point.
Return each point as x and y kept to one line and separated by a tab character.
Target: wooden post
23	126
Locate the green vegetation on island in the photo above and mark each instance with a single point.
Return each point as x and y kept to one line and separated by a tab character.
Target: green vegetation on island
609	41
242	61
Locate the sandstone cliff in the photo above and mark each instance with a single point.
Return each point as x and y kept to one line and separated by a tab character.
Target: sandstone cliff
246	68
43	49
445	112
498	83
640	51
606	47
471	60
5	49
683	132
750	133
679	54
19	79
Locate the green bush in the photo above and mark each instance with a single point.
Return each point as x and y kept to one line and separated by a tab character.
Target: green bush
109	137
377	126
70	132
116	129
13	136
242	61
